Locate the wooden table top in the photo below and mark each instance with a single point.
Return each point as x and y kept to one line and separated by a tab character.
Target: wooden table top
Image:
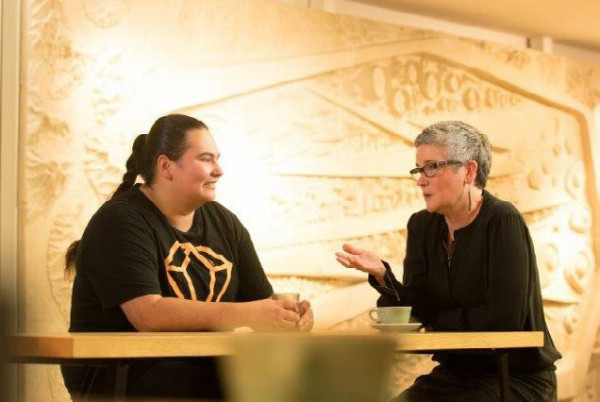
180	344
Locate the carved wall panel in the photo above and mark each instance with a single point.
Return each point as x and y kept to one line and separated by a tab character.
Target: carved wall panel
315	115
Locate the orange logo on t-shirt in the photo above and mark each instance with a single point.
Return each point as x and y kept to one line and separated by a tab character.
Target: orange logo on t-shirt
198	252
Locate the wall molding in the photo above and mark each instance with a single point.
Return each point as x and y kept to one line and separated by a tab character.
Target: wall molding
9	151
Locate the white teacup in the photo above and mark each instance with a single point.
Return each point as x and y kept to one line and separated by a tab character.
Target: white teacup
391	315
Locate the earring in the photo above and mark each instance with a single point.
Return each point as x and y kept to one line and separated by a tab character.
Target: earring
469	196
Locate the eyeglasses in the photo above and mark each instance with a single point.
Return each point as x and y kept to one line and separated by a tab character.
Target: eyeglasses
431	169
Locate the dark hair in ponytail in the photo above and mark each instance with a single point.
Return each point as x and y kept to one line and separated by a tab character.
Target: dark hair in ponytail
131	165
167	136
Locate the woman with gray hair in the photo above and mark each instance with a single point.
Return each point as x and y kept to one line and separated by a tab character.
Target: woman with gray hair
469	266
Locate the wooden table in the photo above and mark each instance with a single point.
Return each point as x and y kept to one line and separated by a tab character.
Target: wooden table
114	349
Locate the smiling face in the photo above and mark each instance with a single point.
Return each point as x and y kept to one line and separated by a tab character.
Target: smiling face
444	192
196	173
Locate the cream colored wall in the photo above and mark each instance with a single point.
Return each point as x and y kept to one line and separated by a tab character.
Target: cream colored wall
315	115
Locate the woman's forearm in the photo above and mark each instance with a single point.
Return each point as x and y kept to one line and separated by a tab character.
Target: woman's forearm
157	313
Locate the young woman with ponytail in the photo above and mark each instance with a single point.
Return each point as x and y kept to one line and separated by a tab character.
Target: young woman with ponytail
162	255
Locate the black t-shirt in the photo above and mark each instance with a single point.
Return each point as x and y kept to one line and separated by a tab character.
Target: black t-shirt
489	283
129	250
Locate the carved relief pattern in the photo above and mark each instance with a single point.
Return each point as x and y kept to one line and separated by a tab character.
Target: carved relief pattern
561	167
294	191
592	389
103	164
565	272
389	246
106	13
106	152
539	214
408	86
55	65
312	33
553	197
46	171
583	83
109	88
570	319
67	227
54	68
546	157
299	200
314	126
592	385
308	288
579	269
548	257
46	179
543	66
514	57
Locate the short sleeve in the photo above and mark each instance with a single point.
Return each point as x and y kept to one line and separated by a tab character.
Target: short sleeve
253	282
119	256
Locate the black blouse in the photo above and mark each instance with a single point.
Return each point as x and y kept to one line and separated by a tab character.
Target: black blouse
489	283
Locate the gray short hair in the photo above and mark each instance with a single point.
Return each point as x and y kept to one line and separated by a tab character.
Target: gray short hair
461	142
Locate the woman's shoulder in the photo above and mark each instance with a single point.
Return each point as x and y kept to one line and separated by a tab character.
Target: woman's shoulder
495	207
497	212
112	222
423	219
215	211
216	208
125	209
216	216
422	216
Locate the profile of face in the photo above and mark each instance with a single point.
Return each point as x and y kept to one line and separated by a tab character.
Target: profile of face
196	173
444	189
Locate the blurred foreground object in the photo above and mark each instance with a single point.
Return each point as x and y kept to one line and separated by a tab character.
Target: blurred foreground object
7	372
300	367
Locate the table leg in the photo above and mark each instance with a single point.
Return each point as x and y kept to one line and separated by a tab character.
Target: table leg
117	379
503	377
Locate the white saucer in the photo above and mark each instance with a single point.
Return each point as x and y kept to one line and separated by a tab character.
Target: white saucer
408	327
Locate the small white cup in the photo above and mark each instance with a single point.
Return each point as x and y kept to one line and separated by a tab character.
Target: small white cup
391	315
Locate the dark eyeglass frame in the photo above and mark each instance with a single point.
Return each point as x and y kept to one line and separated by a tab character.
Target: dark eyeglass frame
430	169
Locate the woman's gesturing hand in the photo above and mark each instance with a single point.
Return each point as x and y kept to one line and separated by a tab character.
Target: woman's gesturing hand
363	260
